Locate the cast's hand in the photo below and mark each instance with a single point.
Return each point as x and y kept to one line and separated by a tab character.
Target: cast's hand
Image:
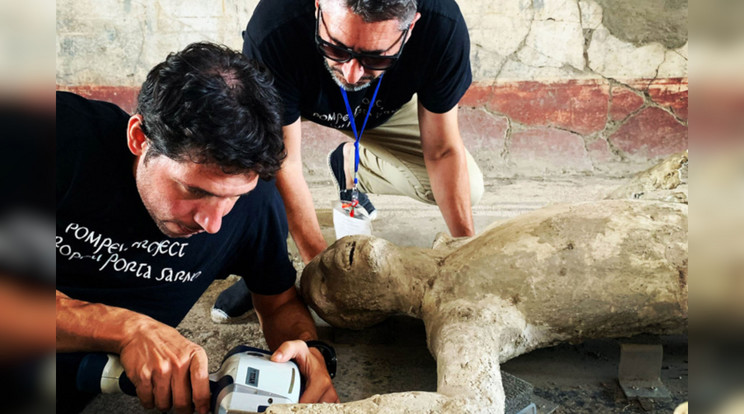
318	384
168	370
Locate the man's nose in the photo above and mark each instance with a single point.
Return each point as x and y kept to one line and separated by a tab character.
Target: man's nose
210	213
353	71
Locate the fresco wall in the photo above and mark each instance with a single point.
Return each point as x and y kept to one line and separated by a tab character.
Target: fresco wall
560	86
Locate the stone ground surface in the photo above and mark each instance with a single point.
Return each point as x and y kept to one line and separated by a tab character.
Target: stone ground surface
393	357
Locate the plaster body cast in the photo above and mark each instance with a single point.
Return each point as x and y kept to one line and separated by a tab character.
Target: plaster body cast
566	272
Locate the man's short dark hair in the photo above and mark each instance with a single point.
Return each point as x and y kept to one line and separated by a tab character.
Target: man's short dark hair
212	105
372	11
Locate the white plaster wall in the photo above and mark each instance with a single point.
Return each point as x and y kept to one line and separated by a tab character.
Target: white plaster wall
115	42
543	40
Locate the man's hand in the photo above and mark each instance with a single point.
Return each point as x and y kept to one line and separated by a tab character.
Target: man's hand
284	317
168	370
318	385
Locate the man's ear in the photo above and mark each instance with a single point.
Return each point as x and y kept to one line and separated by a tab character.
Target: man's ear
136	139
413	23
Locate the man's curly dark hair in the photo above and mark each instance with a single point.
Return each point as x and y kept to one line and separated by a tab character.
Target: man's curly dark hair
211	105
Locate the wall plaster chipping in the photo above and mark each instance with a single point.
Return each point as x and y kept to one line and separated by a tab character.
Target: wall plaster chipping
642	21
545	40
115	42
636	45
576	127
567	272
110	42
565	59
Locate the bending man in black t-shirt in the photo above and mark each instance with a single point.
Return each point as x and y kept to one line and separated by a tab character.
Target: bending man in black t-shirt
419	56
151	208
406	59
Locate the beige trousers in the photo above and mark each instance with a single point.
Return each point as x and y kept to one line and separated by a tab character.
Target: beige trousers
391	160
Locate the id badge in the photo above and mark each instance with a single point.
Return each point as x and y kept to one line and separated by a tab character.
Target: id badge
345	225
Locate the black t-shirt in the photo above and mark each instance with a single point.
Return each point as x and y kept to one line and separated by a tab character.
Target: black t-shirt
434	64
109	249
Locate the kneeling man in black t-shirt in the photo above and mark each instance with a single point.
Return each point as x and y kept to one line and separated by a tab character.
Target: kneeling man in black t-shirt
152	207
389	75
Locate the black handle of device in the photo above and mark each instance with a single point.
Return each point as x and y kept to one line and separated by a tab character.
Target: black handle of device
91	370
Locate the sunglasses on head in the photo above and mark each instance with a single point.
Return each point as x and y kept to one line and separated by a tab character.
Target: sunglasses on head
343	54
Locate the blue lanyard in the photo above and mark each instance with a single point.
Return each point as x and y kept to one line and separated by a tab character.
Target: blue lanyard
353	125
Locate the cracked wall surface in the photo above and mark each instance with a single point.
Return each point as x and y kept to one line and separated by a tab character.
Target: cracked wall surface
559	86
642	21
116	42
576	86
576	39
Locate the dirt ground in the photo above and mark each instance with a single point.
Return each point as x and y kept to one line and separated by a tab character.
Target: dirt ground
392	356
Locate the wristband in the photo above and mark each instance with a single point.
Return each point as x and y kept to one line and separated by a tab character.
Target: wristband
329	355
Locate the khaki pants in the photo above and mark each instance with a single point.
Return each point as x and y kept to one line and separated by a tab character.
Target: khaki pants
391	160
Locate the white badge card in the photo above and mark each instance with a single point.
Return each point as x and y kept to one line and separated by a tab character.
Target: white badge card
345	225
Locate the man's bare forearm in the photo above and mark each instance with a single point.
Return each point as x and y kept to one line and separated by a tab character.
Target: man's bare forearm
85	326
451	187
286	322
284	318
446	164
301	217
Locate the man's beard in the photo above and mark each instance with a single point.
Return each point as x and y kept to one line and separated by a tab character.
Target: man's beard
338	77
182	232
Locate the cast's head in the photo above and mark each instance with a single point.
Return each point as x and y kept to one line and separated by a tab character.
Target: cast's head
361	280
361	39
207	126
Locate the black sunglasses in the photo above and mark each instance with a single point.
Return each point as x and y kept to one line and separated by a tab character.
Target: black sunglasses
343	54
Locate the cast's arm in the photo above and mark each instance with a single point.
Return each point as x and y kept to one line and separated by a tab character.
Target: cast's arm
303	222
446	163
286	324
167	369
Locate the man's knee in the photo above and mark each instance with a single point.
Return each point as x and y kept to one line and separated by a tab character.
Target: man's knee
477	188
476	193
